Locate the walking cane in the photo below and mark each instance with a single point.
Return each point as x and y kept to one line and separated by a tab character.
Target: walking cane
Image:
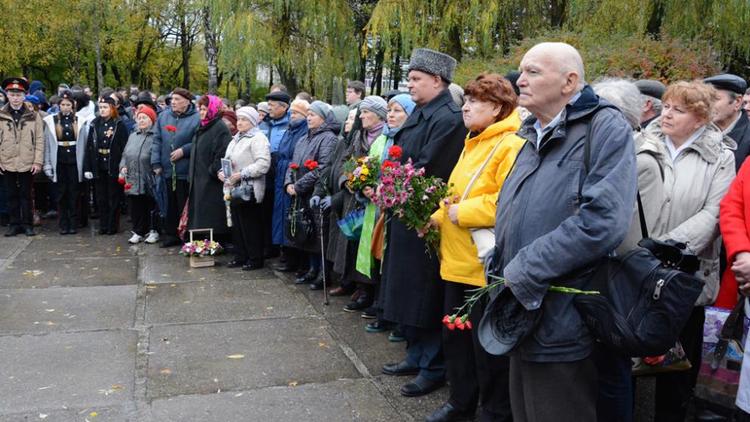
323	259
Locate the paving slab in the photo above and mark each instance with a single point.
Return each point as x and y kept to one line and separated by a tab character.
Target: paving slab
88	414
176	269
49	244
236	356
66	309
9	246
341	400
205	301
25	273
66	370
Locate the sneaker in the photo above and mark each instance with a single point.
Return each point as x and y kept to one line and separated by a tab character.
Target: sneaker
369	313
396	337
153	237
136	238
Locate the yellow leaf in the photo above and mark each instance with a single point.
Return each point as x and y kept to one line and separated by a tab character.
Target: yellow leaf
237	356
93	414
165	371
293	383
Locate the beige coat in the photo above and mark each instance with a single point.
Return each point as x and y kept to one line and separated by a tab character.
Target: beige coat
251	156
649	154
694	185
21	145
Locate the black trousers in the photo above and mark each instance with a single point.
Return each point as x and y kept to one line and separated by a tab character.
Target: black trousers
108	197
554	391
142	213
247	232
267	206
175	203
475	376
674	391
68	189
18	188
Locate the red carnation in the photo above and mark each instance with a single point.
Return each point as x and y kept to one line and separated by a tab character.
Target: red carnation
468	325
294	166
388	164
395	152
121	180
128	186
170	128
311	164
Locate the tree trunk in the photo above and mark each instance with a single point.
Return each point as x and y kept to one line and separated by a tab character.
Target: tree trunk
185	47
212	50
396	73
287	78
98	51
376	86
653	28
558	9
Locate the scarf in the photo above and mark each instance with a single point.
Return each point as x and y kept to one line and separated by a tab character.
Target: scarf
214	107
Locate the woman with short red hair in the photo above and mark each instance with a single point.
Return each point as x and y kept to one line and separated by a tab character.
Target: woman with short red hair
491	146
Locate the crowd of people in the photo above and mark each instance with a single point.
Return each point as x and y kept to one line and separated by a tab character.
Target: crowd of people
553	164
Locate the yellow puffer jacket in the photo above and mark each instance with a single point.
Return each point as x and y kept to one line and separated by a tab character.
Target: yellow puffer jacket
458	255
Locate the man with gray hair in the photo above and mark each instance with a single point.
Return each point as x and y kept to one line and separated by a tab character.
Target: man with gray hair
652	90
564	207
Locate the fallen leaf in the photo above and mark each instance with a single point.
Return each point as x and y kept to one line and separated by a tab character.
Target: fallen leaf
293	383
93	414
321	344
186	302
239	394
165	371
237	356
44	388
269	308
49	310
33	273
43	416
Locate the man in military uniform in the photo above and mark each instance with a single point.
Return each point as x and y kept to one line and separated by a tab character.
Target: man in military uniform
21	154
728	114
63	158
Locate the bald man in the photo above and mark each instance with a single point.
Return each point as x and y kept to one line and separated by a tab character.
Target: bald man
558	214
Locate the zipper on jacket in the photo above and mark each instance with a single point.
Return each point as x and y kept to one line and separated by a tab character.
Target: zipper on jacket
657	291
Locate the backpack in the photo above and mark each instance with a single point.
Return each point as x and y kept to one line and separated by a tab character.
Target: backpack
646	295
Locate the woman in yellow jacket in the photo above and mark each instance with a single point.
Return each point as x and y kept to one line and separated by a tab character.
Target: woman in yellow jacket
475	377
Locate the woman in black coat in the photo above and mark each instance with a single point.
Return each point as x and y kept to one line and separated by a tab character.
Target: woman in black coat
206	207
107	138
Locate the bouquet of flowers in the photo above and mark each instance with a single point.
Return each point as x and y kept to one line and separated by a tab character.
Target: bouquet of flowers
411	196
201	248
361	172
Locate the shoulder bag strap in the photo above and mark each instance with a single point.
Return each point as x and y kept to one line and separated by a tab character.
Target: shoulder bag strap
587	167
481	168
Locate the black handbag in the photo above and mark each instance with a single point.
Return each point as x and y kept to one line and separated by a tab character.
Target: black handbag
646	297
300	227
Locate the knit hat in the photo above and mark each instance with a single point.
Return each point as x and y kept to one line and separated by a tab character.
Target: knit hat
33	99
405	101
148	111
433	62
263	106
376	105
457	93
320	108
248	113
300	106
184	93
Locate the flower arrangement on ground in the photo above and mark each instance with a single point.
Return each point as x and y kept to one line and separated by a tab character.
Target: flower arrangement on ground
201	248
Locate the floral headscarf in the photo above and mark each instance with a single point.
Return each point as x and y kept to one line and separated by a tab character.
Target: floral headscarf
214	108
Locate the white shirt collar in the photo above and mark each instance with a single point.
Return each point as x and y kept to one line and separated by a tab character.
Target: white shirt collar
674	152
541	131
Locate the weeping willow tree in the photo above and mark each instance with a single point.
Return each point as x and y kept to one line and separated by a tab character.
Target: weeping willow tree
309	45
483	29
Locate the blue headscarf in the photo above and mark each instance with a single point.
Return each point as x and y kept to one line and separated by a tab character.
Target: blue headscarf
405	101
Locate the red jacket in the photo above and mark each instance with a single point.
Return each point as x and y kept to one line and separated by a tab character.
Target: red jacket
734	221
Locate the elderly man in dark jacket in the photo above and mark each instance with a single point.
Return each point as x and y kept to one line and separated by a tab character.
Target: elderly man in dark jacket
728	114
170	156
546	234
411	290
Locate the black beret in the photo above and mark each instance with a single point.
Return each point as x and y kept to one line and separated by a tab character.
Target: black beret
651	87
279	96
109	100
728	82
16	84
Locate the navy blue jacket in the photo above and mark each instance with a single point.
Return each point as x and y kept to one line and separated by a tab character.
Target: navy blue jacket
165	142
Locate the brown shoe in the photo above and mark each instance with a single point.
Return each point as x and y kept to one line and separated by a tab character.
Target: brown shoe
339	291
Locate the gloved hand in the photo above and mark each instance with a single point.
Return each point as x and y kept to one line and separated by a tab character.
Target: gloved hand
88	175
325	203
314	201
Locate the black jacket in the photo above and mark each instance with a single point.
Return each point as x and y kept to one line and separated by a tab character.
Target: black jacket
116	147
741	135
412	292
